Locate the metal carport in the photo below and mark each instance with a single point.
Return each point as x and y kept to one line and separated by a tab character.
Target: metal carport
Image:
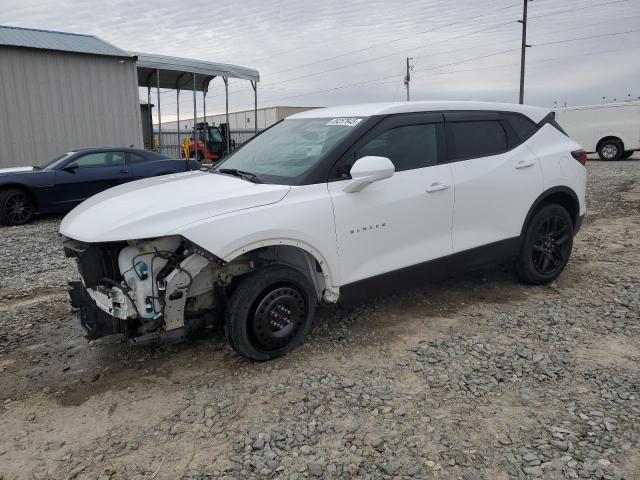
161	71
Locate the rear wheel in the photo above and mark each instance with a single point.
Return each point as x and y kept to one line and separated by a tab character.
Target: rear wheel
627	154
546	246
610	150
270	313
16	207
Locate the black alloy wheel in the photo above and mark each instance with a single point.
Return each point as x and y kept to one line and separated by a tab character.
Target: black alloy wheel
17	207
551	248
546	245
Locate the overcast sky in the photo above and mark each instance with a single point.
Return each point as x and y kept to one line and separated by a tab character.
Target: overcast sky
317	53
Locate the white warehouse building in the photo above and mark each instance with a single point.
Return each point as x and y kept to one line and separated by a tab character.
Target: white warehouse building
243	120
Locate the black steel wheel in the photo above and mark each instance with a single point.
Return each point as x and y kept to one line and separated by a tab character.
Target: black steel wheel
278	317
16	207
270	312
546	246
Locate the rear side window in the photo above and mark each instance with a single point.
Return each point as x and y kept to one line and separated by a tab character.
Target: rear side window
473	139
408	147
523	126
133	158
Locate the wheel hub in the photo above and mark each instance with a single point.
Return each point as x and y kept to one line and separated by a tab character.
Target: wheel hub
278	317
609	151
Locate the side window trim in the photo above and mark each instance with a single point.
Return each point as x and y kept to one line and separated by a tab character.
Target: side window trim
389	123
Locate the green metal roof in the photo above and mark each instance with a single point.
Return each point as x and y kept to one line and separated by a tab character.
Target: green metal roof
59	41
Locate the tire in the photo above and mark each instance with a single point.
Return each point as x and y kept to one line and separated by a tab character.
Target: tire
16	207
627	154
546	246
269	313
610	150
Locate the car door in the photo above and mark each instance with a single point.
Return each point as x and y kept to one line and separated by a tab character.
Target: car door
403	220
95	172
496	176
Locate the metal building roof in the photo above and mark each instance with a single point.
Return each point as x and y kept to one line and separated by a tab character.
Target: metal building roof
175	71
60	41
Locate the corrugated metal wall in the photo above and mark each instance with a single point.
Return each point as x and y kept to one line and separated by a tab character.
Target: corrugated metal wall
53	102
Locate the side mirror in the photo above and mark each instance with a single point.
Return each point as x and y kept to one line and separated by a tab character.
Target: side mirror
367	170
71	167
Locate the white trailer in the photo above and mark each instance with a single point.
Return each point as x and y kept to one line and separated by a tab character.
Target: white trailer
611	129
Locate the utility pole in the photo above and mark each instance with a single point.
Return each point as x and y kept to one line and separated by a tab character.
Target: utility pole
407	77
524	48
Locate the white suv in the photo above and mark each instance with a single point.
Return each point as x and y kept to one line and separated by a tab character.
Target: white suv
323	206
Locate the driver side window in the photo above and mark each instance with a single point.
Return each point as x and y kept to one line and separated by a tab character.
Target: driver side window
408	147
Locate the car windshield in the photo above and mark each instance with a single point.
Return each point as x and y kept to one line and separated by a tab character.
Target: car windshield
289	149
53	161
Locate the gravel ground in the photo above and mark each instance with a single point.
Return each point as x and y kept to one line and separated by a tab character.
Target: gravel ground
474	378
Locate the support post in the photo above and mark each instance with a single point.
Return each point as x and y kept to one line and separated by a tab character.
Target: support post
226	110
150	116
195	138
523	50
255	107
159	114
204	105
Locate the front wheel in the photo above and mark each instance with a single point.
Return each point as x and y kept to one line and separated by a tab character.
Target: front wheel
546	245
16	207
270	312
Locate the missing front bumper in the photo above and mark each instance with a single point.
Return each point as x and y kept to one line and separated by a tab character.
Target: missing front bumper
94	321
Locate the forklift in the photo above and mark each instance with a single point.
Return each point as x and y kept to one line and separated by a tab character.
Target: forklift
211	142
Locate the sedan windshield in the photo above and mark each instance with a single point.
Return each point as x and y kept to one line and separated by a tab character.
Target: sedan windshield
53	161
289	149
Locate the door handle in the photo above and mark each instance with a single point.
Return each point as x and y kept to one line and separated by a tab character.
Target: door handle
436	187
524	164
124	170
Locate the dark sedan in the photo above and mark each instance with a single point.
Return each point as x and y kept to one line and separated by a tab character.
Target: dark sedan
63	182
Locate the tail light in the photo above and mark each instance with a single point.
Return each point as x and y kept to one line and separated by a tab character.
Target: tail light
580	155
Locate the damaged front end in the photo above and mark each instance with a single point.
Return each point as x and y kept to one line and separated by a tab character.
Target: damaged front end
148	290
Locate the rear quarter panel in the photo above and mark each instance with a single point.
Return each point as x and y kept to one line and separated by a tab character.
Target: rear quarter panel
559	168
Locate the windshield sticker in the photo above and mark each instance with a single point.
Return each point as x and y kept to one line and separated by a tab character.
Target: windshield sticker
345	122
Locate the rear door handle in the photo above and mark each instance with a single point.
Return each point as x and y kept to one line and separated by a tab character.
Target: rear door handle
436	187
124	170
524	164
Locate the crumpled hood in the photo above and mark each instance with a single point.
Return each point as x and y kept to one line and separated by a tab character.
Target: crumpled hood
4	171
153	207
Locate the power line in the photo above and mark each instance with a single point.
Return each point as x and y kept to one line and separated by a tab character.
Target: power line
585	38
578	9
491	27
382	79
412	35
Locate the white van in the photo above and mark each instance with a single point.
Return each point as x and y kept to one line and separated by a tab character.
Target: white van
611	129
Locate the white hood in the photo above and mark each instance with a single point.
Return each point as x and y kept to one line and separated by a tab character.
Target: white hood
15	170
157	206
